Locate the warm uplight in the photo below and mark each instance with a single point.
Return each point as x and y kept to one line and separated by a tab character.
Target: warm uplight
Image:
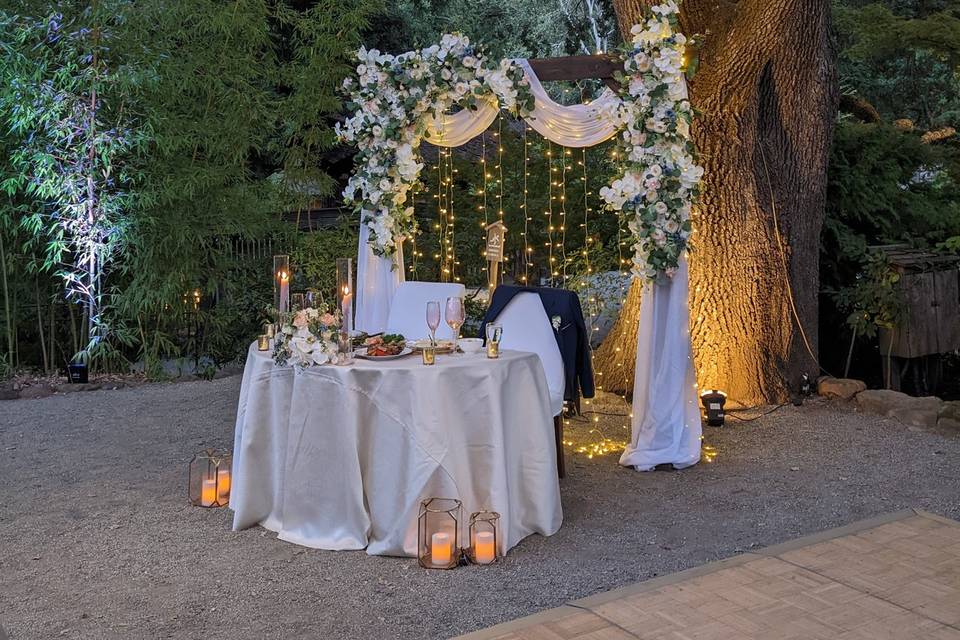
713	401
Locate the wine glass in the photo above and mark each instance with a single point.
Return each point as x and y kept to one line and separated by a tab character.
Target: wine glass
433	319
455	317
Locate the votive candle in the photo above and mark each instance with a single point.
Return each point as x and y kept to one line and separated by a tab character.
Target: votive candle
208	492
484	551
429	355
263	343
441	549
223	485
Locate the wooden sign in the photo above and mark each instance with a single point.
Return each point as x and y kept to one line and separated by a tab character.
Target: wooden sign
495	239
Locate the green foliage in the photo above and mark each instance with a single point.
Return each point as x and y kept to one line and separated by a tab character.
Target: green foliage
315	255
874	301
198	122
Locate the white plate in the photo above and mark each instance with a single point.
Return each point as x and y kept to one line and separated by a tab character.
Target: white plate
362	354
442	345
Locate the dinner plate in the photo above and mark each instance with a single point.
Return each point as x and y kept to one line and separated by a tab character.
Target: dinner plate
443	346
362	354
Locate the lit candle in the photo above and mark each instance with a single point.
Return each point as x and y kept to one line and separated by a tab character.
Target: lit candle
208	492
440	549
345	308
284	292
484	550
223	485
263	343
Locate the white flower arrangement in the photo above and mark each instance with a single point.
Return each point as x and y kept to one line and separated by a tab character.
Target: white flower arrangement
659	183
307	338
392	99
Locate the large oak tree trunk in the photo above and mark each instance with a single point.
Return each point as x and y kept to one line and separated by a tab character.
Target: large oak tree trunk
766	92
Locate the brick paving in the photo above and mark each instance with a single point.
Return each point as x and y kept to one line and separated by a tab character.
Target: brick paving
889	578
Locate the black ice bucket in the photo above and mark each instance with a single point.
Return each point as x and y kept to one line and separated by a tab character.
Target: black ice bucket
77	372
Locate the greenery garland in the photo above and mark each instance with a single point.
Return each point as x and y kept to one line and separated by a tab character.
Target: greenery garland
659	181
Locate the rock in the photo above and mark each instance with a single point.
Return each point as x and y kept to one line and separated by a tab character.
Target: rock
950	416
843	388
36	391
917	412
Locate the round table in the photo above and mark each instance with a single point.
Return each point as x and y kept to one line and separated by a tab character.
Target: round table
339	457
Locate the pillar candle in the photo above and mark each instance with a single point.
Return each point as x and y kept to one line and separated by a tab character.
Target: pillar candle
440	549
223	485
284	292
345	309
484	550
208	492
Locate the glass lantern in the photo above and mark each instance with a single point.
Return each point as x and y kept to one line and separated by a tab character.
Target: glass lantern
484	539
281	283
345	292
438	533
209	479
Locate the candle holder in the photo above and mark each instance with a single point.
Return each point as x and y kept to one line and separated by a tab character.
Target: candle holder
345	292
263	343
429	355
298	302
281	283
484	540
494	334
208	484
344	348
270	330
438	533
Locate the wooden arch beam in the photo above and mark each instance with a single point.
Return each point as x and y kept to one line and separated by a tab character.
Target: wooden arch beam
572	68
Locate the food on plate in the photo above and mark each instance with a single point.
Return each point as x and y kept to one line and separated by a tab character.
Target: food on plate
390	344
360	339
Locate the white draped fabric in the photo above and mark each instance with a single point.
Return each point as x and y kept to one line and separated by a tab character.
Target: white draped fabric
578	125
456	129
340	457
377	280
666	416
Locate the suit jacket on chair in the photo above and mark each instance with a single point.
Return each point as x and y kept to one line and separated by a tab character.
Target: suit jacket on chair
571	335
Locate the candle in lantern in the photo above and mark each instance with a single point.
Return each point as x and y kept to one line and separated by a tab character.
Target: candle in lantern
223	485
208	493
284	292
345	308
440	549
484	550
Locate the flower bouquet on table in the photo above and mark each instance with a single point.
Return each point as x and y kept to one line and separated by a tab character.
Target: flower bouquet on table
307	338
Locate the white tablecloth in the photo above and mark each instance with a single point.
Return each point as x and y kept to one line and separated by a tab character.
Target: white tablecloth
340	457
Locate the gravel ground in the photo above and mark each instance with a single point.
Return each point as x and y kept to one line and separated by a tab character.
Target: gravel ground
96	540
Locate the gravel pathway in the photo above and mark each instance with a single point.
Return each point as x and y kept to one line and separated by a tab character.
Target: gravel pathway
96	540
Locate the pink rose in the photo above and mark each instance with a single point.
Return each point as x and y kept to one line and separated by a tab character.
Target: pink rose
328	319
300	320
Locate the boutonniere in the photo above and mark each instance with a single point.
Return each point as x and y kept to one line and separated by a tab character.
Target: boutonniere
555	321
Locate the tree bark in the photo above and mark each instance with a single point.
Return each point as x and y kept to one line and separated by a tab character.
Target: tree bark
766	93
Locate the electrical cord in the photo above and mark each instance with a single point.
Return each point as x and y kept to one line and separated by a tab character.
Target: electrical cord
765	413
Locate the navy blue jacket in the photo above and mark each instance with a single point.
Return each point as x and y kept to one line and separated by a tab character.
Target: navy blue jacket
572	337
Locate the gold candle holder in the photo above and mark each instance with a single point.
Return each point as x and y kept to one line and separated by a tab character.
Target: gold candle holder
494	333
263	343
429	355
270	330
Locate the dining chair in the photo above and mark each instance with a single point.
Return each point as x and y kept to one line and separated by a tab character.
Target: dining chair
526	327
408	309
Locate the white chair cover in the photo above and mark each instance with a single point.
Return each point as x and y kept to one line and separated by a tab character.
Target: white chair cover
666	416
526	327
377	280
408	310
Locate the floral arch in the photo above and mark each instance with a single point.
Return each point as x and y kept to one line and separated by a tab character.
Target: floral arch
399	101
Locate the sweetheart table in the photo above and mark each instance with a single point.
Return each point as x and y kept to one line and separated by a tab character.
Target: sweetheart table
339	457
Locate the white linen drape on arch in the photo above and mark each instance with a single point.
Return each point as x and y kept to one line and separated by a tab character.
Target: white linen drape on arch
666	417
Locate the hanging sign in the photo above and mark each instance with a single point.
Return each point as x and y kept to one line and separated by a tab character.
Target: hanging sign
495	237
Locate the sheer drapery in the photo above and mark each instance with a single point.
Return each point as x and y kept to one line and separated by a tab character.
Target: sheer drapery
666	417
377	280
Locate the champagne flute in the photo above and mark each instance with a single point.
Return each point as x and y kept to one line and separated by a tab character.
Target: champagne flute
455	317
433	319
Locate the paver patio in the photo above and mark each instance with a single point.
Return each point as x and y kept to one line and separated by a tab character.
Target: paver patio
893	577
